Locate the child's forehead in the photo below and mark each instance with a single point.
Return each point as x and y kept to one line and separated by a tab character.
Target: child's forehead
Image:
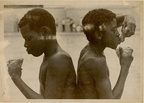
25	31
25	28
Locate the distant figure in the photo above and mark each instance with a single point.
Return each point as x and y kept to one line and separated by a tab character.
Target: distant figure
63	25
100	27
71	25
74	27
79	28
57	75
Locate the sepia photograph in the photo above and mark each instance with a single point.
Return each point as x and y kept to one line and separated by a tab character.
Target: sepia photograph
71	51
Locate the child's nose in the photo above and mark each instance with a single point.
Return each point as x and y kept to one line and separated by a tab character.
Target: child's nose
26	44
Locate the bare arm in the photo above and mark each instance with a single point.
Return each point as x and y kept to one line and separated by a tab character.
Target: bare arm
103	85
102	82
14	69
125	58
25	89
118	89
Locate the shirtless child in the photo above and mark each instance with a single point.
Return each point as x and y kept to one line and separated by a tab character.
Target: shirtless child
57	75
100	27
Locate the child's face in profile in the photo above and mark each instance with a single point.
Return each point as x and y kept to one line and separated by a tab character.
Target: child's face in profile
33	44
111	36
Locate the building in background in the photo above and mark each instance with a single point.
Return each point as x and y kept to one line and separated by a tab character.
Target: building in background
15	12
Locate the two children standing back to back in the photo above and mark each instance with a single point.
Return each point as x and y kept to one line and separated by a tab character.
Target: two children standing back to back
57	75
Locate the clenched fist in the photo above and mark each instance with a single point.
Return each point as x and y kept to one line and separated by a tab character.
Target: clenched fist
128	27
14	67
125	56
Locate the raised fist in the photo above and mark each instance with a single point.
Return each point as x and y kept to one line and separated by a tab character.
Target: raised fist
128	27
14	67
125	56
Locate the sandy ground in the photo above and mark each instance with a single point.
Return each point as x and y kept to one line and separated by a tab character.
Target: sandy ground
72	43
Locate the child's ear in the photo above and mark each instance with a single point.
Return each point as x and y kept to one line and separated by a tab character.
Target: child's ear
98	35
44	31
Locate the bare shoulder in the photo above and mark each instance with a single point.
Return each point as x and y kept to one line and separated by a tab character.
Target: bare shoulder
62	60
62	56
94	64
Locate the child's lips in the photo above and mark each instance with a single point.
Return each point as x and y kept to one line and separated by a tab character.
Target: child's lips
28	50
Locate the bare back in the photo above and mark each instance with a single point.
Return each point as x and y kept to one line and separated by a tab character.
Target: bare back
57	76
87	85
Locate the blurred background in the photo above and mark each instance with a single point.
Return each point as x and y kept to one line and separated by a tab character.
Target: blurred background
68	16
72	40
